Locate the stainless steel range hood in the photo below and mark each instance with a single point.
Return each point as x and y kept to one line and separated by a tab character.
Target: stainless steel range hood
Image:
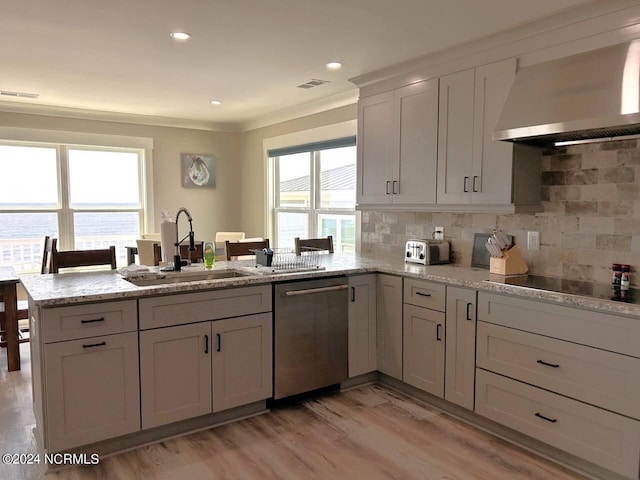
590	95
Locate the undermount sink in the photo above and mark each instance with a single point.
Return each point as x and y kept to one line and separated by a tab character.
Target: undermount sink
183	277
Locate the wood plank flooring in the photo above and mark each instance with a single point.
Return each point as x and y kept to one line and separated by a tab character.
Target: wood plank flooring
366	433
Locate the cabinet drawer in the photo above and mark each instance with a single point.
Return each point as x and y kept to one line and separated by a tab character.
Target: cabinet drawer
83	321
197	307
605	379
424	294
598	436
597	329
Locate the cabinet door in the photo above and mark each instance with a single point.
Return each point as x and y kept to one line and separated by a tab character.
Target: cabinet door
389	325
375	149
175	373
455	138
424	337
492	160
461	346
416	143
242	360
362	324
93	392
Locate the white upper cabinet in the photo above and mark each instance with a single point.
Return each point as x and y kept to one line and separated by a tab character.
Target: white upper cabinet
473	169
397	146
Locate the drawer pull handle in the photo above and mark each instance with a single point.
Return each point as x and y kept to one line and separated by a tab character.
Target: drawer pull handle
552	420
469	313
423	294
219	341
91	345
552	365
438	335
92	321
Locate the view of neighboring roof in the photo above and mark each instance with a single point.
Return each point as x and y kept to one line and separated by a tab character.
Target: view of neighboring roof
339	178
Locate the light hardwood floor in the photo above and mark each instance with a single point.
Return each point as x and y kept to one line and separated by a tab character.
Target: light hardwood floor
366	433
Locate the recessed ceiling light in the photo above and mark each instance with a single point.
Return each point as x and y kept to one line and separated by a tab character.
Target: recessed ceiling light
334	65
216	102
180	35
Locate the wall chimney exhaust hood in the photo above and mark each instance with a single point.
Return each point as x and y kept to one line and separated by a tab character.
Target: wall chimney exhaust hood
590	95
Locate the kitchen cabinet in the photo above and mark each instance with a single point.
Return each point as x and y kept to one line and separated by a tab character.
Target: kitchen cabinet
424	335
362	324
212	352
397	146
461	346
175	373
563	375
242	360
473	169
90	359
389	325
423	342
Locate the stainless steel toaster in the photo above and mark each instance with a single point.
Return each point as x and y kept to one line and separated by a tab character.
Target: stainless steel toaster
427	251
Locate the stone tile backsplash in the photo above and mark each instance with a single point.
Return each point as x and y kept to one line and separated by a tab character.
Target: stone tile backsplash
591	216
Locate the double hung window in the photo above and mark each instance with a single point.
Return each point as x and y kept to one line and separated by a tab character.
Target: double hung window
315	193
87	197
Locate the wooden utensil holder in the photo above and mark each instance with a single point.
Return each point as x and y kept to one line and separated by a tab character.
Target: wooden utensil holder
512	263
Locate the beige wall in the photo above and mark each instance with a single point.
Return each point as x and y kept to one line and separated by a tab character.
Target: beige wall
212	209
253	185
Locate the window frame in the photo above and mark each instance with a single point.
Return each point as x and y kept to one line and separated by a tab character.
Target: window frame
314	211
62	142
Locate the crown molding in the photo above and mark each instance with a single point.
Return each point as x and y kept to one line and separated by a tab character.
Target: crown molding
350	97
103	116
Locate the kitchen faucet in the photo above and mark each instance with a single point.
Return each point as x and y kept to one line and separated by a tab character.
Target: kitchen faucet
177	259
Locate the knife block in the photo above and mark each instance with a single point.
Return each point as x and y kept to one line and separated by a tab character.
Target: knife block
511	263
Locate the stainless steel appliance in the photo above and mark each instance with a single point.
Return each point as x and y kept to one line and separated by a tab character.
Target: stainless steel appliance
427	251
310	335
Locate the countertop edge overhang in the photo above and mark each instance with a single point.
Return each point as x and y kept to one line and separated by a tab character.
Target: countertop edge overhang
89	287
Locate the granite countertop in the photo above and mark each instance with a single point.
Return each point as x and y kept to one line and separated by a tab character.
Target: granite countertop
86	287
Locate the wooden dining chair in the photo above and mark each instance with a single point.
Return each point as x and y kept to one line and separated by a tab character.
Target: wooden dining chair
197	256
81	258
23	305
314	244
240	249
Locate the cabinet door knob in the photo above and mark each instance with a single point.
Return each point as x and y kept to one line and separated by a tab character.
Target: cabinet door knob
394	187
475	181
219	338
464	185
387	187
438	334
353	294
206	344
468	312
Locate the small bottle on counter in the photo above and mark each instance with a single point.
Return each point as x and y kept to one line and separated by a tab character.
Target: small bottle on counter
616	280
624	280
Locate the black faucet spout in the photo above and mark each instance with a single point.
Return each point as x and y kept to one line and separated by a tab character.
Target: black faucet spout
177	258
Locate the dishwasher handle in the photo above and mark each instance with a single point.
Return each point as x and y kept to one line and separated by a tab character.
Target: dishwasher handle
311	291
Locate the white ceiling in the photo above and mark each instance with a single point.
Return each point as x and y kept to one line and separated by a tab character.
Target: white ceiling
116	55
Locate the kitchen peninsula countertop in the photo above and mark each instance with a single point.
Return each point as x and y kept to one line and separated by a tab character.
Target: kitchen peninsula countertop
88	287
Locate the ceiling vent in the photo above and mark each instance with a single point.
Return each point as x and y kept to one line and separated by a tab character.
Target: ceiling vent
314	82
6	93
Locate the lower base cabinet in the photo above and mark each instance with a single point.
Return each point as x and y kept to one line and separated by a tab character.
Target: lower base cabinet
175	373
362	324
92	390
423	349
242	360
196	369
604	438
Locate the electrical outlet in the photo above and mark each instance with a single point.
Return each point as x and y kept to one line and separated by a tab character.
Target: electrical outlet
533	240
438	233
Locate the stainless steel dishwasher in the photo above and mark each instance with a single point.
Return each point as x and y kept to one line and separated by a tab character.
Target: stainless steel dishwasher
310	335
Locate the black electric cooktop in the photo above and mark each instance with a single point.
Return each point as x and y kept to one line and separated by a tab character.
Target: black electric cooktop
574	287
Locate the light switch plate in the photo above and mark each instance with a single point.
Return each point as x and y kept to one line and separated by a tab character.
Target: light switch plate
438	233
533	240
